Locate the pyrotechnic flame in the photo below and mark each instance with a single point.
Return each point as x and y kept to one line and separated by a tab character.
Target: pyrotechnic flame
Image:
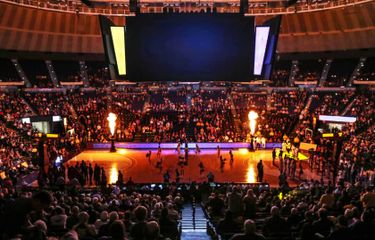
252	121
112	122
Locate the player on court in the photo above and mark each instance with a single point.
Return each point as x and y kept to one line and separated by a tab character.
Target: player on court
158	154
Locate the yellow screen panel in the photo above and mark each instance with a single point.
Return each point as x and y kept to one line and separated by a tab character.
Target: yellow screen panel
118	40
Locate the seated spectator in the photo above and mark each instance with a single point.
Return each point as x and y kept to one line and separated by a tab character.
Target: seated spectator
322	226
139	228
127	221
216	204
275	224
294	218
83	228
327	199
58	220
117	230
341	231
73	219
250	234
306	231
172	213
38	231
152	231
103	220
71	235
227	225
104	229
168	227
365	228
368	198
14	218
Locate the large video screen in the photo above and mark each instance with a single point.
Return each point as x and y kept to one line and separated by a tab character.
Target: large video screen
189	47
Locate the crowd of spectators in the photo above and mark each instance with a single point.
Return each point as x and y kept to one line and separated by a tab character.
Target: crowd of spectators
211	117
90	214
131	211
367	73
280	78
308	77
14	147
312	211
49	104
13	106
344	210
357	158
333	103
276	111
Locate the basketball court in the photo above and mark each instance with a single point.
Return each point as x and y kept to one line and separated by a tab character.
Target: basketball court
135	164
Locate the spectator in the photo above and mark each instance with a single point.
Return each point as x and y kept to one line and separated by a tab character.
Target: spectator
235	202
104	229
168	227
227	225
58	220
103	220
250	234
117	230
322	226
83	228
250	204
275	224
14	219
341	231
138	231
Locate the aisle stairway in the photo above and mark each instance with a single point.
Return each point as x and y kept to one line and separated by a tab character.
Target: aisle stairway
146	105
235	116
324	75
21	73
52	73
193	223
189	127
348	107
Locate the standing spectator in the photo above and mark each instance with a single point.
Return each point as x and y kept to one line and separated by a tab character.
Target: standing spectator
250	202
235	202
260	171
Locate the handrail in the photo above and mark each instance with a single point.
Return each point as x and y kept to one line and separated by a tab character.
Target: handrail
116	8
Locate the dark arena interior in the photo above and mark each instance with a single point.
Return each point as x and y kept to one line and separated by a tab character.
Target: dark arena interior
192	120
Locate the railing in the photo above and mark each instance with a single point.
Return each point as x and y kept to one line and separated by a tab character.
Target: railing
121	8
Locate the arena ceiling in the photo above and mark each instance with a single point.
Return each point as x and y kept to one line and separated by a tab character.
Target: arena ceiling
25	28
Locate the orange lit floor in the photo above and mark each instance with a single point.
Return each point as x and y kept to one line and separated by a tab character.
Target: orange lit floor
135	164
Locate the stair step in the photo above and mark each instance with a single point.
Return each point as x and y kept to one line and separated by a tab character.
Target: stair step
193	223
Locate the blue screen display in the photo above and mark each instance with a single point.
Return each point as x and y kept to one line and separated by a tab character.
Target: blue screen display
189	47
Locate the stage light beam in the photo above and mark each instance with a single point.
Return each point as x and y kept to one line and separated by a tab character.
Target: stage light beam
113	174
250	174
252	121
